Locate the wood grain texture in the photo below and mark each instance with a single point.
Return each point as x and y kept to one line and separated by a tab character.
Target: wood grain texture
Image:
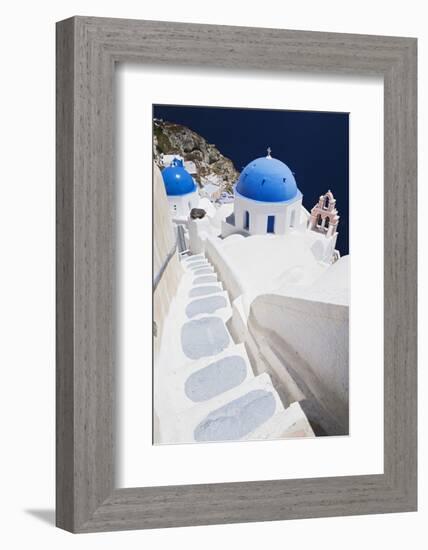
64	279
87	49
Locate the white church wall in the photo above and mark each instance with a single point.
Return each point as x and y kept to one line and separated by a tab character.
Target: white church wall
180	205
259	211
238	209
228	229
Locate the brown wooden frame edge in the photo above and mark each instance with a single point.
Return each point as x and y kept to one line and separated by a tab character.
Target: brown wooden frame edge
87	50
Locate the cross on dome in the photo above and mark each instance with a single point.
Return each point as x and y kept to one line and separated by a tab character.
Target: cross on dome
269	151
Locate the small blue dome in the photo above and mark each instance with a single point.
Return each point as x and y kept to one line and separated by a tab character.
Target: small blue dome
268	180
177	179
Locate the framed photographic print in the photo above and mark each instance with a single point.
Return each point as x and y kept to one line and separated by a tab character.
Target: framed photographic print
236	274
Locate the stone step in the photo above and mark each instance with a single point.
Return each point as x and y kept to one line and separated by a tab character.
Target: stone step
216	304
192	262
204	337
289	423
204	379
201	269
192	269
194	258
228	417
206	279
190	282
204	290
186	312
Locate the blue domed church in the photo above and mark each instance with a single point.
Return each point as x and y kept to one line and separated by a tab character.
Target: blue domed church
180	188
267	199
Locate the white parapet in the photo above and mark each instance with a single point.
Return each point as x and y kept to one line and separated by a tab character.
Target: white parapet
290	423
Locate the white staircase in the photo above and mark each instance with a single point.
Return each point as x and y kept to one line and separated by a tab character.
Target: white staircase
209	392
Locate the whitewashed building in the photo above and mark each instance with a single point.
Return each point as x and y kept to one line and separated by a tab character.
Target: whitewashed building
267	200
181	189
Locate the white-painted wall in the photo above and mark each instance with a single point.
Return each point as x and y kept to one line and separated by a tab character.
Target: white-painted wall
311	339
167	270
226	273
181	205
285	214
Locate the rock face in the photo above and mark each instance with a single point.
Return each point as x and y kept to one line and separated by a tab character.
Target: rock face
211	166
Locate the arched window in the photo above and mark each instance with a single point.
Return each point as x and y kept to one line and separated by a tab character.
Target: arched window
247	220
271	224
293	218
319	219
327	222
326	202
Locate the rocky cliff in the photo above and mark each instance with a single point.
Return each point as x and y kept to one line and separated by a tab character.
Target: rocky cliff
210	165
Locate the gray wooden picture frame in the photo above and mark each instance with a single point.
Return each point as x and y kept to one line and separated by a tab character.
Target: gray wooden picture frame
87	51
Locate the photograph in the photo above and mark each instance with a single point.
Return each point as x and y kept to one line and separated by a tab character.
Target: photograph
251	262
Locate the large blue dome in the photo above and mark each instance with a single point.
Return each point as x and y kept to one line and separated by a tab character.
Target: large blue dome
177	179
267	179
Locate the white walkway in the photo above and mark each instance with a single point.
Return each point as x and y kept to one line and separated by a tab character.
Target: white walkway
205	389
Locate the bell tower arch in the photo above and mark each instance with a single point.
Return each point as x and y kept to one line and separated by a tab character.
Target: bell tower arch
324	216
